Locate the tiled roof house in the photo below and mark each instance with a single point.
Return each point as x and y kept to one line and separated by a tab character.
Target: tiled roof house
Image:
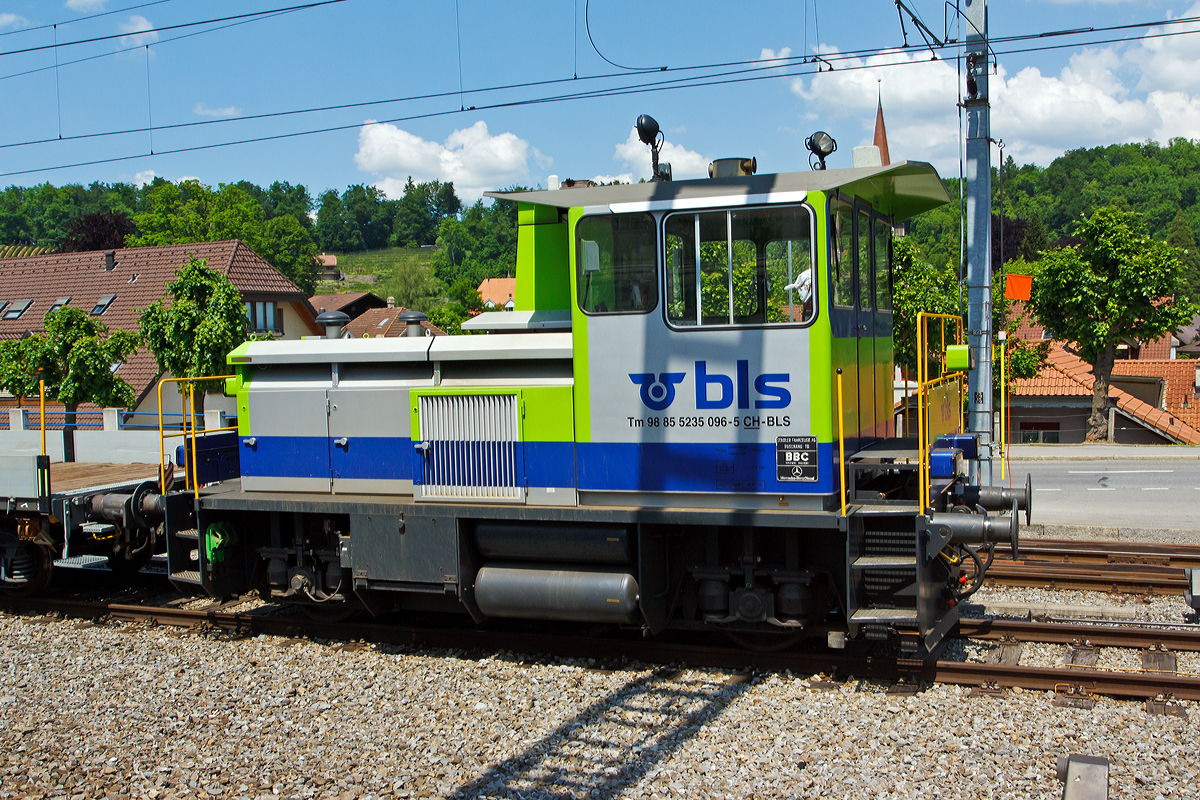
117	285
350	303
498	293
1054	405
378	323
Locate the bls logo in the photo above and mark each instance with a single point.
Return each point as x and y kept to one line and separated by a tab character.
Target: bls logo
657	395
715	390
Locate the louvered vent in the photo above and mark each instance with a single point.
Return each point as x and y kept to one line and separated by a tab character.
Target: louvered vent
474	446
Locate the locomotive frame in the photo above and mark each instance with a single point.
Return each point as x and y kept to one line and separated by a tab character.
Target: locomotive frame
532	472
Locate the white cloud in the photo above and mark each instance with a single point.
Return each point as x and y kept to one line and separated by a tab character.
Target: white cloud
472	158
12	21
684	163
137	25
204	111
624	177
86	5
1101	96
143	178
780	57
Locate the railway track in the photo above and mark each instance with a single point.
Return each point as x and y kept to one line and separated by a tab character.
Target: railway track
1098	566
620	645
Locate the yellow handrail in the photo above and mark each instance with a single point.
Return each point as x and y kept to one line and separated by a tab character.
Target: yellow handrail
188	404
42	411
841	442
923	385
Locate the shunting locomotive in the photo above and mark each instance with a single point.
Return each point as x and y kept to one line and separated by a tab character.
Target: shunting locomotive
687	424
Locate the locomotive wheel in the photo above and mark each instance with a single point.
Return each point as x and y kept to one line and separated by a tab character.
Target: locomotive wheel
32	569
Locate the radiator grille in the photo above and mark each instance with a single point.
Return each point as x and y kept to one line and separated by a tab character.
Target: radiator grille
474	446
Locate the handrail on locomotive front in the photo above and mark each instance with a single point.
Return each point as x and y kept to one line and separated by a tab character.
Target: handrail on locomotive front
924	385
188	404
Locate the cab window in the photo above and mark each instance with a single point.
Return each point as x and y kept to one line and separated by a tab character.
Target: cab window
739	267
615	264
865	264
883	265
841	256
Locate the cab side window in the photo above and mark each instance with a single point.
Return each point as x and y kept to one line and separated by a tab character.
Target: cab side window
883	265
749	266
841	255
615	264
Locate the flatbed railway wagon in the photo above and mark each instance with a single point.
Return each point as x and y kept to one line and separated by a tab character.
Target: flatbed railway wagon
654	438
51	517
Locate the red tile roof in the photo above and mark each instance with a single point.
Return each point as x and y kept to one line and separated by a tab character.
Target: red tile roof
336	302
498	291
383	322
138	278
1067	375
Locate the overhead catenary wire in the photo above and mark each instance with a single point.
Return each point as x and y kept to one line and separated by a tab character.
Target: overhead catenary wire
121	50
698	81
85	18
761	66
111	36
587	24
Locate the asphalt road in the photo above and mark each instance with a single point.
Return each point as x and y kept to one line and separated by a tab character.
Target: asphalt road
1124	493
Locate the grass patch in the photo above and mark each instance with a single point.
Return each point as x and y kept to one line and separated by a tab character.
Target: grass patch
383	264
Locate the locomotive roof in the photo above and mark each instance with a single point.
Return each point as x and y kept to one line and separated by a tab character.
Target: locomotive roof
903	190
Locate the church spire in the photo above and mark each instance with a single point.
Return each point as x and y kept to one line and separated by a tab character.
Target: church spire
881	134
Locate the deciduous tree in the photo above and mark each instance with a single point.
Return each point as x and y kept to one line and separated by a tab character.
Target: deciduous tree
191	337
1119	284
77	357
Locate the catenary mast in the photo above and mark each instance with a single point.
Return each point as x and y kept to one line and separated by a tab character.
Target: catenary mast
979	236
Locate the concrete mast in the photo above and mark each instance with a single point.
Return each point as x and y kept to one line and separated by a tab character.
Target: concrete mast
979	236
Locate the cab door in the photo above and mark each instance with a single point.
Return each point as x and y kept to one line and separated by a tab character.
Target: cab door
865	330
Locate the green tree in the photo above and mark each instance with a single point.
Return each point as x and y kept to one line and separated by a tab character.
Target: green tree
1189	255
1036	239
1119	284
334	232
76	356
192	212
414	285
466	295
191	337
288	247
917	286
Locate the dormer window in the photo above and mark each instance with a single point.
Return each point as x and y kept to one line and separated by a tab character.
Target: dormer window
17	309
59	303
102	304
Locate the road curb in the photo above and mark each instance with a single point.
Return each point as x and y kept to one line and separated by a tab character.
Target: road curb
1112	534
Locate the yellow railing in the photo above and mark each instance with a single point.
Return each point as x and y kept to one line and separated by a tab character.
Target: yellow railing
926	383
841	441
188	403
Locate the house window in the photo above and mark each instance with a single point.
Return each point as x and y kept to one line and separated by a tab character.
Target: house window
264	317
102	304
3	305
59	303
1039	432
17	309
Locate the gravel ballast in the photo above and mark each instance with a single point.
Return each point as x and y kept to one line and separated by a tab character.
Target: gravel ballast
126	710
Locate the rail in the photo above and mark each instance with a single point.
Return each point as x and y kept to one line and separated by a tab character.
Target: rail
925	386
841	442
189	434
1145	684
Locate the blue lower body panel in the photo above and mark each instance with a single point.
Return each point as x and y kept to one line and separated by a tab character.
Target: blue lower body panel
697	467
373	458
285	457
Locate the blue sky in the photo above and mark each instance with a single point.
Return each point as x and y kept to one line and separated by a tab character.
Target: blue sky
368	50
